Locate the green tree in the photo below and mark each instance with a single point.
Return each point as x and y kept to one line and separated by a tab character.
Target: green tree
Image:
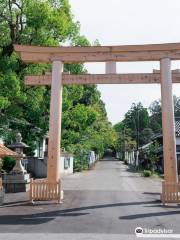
146	135
152	155
26	109
137	119
134	130
85	125
156	114
45	23
124	140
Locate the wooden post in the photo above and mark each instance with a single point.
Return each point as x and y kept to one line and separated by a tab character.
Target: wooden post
110	67
53	172
169	138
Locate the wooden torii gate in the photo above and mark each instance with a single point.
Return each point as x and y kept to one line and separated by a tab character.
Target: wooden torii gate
112	54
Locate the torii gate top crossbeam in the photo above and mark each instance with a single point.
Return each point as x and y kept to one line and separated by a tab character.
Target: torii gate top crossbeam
149	52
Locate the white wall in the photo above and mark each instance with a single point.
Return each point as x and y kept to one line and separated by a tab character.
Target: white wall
66	164
38	167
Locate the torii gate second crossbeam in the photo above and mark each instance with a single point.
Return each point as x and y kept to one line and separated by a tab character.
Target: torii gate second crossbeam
76	79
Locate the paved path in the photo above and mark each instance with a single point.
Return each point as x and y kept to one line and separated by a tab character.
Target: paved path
109	200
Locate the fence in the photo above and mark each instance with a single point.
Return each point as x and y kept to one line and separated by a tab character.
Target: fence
170	192
42	190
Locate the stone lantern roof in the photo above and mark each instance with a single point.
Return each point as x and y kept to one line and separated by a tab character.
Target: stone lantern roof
18	143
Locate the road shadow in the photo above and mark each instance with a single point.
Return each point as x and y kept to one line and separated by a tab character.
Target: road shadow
34	219
40	218
147	215
151	193
15	203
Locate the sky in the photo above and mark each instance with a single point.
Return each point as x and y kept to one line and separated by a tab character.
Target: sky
124	22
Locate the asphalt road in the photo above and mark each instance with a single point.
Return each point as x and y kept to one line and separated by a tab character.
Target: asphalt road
109	201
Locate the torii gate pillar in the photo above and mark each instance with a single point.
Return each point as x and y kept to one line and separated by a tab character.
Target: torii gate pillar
53	173
169	138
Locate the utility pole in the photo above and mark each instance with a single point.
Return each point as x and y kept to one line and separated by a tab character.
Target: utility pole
136	123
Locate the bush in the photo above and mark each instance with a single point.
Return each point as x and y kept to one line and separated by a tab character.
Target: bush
8	163
80	163
147	173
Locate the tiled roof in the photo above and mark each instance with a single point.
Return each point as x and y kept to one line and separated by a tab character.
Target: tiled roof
4	151
177	129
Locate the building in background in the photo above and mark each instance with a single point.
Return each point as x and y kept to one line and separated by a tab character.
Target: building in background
159	139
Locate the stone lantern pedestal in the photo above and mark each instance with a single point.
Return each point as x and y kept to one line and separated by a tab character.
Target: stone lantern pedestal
18	180
16	183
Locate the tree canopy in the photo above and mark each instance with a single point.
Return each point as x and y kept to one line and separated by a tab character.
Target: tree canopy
26	109
140	124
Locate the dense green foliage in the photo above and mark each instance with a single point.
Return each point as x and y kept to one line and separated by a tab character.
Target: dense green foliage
140	124
84	124
125	142
149	156
139	127
134	130
152	155
37	23
8	163
156	114
26	109
137	119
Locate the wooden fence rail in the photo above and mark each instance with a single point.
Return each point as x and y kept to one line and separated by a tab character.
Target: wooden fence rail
42	190
170	192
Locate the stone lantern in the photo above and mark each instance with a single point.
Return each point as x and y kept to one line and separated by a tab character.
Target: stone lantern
18	180
18	147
